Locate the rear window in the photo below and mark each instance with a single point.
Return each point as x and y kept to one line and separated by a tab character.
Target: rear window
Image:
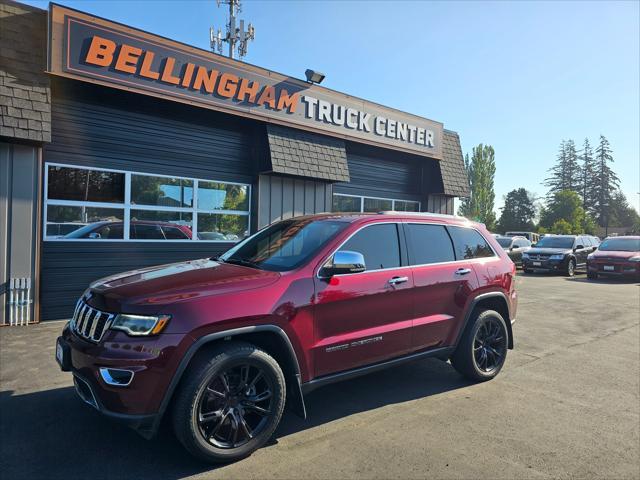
378	244
468	243
429	244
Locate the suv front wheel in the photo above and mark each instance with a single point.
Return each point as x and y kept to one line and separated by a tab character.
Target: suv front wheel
229	404
482	350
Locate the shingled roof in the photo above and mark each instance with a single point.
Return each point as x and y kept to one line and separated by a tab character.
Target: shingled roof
304	154
454	175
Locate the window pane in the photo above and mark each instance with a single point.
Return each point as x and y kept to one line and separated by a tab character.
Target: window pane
87	222
379	244
342	203
430	244
161	191
152	224
66	183
469	243
376	205
230	228
406	206
222	196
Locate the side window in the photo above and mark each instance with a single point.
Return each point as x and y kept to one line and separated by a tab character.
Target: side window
146	232
174	233
586	241
429	244
468	243
114	230
379	244
526	243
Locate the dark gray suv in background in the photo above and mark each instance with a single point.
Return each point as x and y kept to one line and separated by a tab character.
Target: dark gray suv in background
559	253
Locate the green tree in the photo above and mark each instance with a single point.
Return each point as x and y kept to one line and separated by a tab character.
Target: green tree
621	213
606	182
565	174
481	171
587	176
518	211
566	205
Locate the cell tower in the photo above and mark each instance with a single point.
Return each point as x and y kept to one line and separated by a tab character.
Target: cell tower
237	37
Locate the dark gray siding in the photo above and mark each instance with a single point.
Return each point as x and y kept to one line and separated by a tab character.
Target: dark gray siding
285	197
382	173
101	127
440	204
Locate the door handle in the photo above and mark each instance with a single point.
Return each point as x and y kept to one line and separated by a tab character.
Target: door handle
463	271
397	280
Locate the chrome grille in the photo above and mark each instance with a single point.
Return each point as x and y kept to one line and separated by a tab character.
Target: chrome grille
538	256
90	323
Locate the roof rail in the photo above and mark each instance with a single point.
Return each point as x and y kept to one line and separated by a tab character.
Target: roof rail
423	214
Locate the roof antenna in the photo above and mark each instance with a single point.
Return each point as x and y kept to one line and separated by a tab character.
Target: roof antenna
237	37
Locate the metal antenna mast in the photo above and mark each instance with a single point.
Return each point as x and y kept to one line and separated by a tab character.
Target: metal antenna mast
237	37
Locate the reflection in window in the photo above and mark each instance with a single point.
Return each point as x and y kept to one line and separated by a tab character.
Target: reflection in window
214	226
171	225
343	203
222	196
64	183
161	191
377	205
87	222
406	206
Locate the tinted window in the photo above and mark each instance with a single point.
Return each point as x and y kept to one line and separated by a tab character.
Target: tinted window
174	233
379	244
146	232
469	243
555	242
66	183
505	242
430	244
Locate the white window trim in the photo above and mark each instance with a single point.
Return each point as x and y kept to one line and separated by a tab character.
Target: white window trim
127	206
393	201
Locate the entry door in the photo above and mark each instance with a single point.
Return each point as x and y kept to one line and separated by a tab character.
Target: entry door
364	318
442	285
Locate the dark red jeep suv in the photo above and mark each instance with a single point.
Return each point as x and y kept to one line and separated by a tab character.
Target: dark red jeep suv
219	345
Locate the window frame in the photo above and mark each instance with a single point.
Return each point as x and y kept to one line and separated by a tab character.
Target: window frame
455	251
127	206
362	197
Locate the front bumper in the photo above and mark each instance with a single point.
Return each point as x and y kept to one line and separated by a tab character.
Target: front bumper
614	268
153	361
546	265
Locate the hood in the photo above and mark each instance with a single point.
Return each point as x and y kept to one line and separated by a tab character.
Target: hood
167	284
618	255
548	251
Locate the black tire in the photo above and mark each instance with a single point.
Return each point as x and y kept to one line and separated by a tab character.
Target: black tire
219	396
592	275
571	268
467	359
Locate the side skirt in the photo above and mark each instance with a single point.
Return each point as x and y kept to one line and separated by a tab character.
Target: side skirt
442	352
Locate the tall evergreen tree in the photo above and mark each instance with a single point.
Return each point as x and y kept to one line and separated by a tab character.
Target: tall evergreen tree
518	211
465	206
481	170
572	167
606	182
565	174
587	174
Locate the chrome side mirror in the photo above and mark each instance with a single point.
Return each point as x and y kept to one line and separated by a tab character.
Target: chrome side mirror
95	235
344	262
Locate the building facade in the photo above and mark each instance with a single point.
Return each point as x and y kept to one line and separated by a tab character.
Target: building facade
121	149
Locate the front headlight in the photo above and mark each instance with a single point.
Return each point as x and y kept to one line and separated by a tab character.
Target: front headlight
556	257
525	255
140	325
590	256
635	259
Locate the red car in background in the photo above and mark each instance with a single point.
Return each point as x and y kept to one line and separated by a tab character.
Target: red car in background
616	256
140	230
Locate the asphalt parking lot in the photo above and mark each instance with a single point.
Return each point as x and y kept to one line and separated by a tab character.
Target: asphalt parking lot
566	405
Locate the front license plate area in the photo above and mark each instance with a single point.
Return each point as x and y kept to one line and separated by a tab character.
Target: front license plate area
537	264
608	268
63	355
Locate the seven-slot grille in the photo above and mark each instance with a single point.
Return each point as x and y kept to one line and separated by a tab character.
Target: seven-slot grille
90	323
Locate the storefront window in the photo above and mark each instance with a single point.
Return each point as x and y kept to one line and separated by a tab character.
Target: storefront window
354	203
96	204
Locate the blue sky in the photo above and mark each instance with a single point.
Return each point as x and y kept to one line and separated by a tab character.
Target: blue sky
518	75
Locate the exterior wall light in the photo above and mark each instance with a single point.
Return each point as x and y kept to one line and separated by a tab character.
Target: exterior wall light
313	76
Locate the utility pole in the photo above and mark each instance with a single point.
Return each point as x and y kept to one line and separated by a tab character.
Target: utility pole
237	37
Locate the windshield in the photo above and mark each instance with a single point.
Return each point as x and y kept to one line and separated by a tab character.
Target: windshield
284	245
555	242
504	242
620	245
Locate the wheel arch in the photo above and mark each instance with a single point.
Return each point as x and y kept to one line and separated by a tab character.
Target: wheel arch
270	338
494	301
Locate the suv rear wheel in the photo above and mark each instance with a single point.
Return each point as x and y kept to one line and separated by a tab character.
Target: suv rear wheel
482	350
230	404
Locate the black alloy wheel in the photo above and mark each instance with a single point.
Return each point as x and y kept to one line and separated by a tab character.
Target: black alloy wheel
489	345
229	403
482	350
235	406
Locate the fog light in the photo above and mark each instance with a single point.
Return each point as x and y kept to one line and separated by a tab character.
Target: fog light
116	376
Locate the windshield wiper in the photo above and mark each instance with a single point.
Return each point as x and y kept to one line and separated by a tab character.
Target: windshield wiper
244	262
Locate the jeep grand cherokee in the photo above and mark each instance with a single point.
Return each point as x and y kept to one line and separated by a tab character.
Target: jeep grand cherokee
219	345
